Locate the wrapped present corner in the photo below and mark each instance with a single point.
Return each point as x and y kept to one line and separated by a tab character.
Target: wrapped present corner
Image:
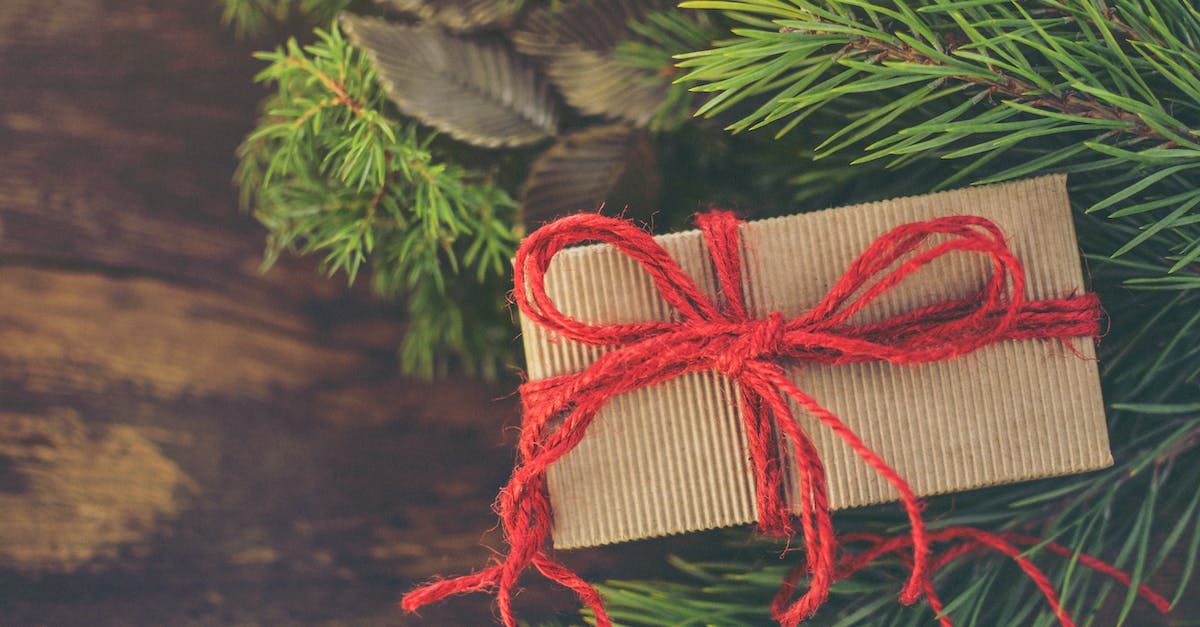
672	457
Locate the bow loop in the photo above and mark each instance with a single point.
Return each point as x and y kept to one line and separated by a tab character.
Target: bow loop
899	254
937	331
673	285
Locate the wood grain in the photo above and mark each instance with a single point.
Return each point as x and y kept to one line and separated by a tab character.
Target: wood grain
183	439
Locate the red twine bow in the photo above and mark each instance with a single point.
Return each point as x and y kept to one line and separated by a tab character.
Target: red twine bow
722	337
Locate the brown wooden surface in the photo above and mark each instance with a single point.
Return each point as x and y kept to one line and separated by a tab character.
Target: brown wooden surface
184	440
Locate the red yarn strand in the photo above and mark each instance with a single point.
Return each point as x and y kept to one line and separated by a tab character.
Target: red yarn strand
722	337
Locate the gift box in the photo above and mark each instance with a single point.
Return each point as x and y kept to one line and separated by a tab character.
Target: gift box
673	457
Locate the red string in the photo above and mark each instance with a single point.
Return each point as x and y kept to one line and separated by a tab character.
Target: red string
721	336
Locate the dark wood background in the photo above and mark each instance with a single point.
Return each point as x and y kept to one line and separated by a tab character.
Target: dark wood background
183	439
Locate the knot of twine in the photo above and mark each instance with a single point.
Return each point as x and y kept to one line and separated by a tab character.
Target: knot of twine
751	341
722	337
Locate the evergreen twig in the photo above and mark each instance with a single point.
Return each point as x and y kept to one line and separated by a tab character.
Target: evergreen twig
329	171
1078	86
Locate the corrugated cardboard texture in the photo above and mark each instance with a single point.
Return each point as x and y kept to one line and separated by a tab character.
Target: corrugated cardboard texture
673	458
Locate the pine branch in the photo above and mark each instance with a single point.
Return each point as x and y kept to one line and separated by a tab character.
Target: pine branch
332	169
1038	87
329	171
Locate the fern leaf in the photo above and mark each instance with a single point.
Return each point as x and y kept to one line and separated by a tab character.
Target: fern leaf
577	42
461	16
476	90
612	165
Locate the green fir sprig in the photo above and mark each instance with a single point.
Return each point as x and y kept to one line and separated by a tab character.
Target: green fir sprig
329	171
341	163
999	88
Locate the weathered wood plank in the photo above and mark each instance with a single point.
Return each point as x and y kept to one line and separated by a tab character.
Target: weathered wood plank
89	332
184	440
119	122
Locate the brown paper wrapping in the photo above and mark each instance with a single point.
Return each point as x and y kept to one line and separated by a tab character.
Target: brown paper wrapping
673	458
